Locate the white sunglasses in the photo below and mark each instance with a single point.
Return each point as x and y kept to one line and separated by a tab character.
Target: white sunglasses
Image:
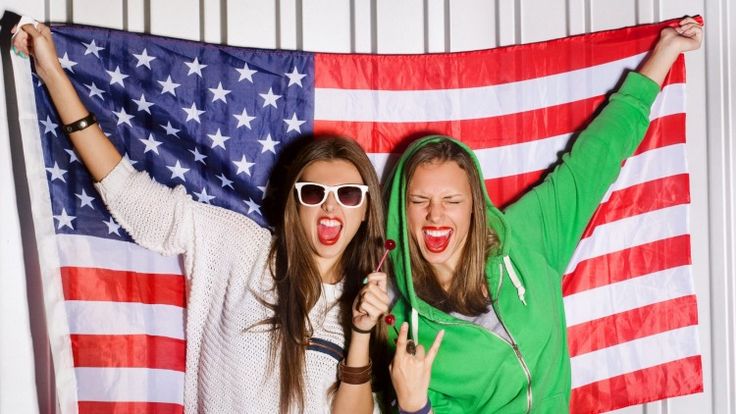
347	195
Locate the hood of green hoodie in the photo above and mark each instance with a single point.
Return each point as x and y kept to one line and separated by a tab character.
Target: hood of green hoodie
397	229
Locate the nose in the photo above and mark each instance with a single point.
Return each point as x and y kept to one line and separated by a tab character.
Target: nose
434	212
330	203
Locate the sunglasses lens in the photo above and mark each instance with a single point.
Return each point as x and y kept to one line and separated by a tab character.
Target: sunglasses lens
350	196
312	194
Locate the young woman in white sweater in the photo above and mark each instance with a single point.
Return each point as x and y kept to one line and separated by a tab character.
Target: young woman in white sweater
268	315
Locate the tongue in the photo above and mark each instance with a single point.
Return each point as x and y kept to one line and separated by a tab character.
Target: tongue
436	244
328	234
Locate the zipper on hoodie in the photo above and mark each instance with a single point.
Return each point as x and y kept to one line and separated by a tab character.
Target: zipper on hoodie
512	344
519	357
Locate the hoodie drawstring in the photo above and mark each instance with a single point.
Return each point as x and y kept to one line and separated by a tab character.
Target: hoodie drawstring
520	290
415	325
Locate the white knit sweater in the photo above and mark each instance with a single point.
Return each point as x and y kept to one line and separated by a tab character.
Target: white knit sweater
228	369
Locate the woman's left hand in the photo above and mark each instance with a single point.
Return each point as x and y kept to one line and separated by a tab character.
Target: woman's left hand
371	303
412	372
687	36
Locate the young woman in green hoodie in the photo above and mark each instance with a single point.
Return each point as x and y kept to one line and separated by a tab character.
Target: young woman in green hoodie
489	280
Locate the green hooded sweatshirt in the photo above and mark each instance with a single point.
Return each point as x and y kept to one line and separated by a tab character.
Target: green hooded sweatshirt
476	370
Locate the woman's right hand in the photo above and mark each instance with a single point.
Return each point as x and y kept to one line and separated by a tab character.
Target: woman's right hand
411	373
37	43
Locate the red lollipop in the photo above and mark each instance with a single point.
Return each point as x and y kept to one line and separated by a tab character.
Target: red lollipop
389	245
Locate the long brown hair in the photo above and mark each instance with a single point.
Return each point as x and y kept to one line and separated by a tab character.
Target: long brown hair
467	293
297	280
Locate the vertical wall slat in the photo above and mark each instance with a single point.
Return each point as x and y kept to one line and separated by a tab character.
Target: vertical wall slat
435	35
99	13
471	25
135	15
506	17
288	23
610	15
400	26
176	18
327	26
211	21
363	27
252	23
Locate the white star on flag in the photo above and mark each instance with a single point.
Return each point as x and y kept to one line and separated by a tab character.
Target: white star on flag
143	104
123	117
168	86
246	73
268	144
218	140
193	113
92	48
66	63
64	220
225	182
49	126
269	98
243	166
112	226
116	76
294	124
85	199
198	157
144	59
151	144
130	161
72	156
203	197
95	91
170	130
57	173
195	67
219	92
295	78
252	206
262	189
177	171
244	119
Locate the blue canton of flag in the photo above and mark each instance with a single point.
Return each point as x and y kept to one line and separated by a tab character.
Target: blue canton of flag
210	118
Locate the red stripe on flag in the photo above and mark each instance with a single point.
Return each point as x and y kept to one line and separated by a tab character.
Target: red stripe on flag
641	198
394	137
664	131
469	69
628	263
125	407
506	190
129	351
684	376
636	323
88	283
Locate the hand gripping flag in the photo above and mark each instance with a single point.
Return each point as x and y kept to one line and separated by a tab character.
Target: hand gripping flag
215	118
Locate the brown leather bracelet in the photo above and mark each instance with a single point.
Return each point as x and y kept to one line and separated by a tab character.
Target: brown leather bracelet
354	375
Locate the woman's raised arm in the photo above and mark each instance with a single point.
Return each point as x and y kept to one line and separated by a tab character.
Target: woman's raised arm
94	148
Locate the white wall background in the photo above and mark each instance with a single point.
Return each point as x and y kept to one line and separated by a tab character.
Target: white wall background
418	26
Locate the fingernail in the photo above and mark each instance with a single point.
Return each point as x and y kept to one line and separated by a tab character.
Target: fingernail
23	55
14	50
365	280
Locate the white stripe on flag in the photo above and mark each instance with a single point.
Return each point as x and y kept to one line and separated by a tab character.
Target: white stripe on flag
539	154
333	104
651	165
123	318
634	355
88	251
670	101
629	294
130	384
632	231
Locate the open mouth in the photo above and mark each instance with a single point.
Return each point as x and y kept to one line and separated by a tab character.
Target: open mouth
436	238
328	230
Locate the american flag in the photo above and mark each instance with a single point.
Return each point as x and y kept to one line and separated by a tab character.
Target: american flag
215	118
